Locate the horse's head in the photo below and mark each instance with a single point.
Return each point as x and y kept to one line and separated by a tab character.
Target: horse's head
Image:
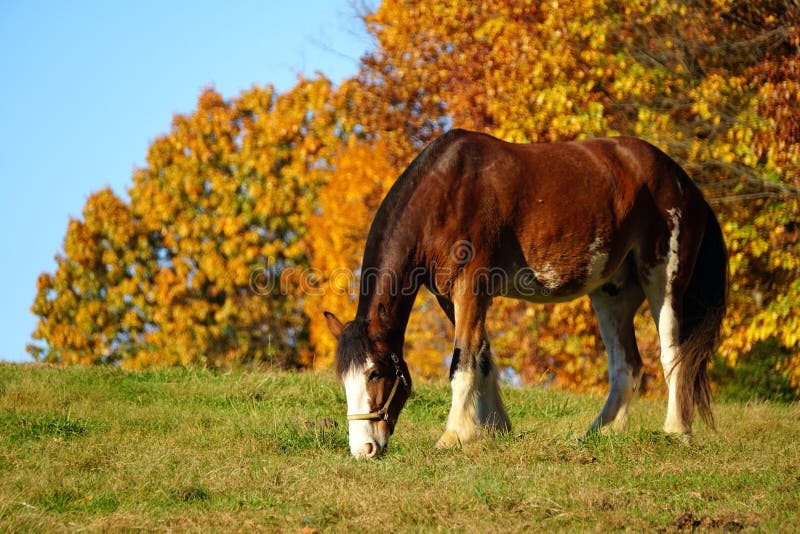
376	383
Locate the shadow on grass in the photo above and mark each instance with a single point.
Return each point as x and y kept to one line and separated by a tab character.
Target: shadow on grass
61	500
18	427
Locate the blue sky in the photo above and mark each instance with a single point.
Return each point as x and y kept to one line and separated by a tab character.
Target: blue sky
86	86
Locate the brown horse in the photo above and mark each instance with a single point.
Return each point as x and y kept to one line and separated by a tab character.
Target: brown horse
474	217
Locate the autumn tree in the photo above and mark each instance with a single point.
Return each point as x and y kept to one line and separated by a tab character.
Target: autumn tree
251	214
189	270
709	82
90	309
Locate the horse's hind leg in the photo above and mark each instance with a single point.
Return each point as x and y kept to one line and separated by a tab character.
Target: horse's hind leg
476	400
665	285
663	296
660	290
615	306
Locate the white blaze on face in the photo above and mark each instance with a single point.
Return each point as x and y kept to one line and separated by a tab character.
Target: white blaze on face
362	434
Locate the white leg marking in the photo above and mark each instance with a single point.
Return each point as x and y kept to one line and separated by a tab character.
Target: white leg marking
668	334
660	297
462	422
669	325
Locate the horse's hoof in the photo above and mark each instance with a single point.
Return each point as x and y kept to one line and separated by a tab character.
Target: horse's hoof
448	440
682	438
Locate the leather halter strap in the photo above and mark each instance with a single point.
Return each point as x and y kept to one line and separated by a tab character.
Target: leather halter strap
383	413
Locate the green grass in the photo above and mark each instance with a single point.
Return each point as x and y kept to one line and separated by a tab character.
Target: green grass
102	449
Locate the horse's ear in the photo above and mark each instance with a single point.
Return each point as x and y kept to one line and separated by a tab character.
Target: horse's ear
334	324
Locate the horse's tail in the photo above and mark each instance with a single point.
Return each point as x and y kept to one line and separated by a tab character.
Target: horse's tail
703	309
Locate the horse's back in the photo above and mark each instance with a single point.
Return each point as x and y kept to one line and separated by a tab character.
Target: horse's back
568	188
564	175
571	212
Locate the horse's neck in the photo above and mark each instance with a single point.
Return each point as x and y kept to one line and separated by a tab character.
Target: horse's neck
393	283
390	275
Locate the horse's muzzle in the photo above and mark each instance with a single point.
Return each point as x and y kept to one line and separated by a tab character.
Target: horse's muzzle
369	450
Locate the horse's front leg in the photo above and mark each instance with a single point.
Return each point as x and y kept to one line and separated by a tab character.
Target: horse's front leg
476	403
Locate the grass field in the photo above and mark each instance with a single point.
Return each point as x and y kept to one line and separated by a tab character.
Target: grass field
102	449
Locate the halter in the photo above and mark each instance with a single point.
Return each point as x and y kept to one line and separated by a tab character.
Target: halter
383	413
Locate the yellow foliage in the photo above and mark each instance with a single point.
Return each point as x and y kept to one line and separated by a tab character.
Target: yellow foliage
551	72
250	216
166	279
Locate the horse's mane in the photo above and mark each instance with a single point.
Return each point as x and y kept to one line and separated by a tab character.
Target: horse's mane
353	346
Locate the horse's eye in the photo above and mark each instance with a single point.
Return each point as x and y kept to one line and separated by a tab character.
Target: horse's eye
374	375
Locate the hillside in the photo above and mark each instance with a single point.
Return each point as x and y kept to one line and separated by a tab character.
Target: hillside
104	449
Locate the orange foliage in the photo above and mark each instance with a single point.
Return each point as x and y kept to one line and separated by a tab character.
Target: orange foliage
279	184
